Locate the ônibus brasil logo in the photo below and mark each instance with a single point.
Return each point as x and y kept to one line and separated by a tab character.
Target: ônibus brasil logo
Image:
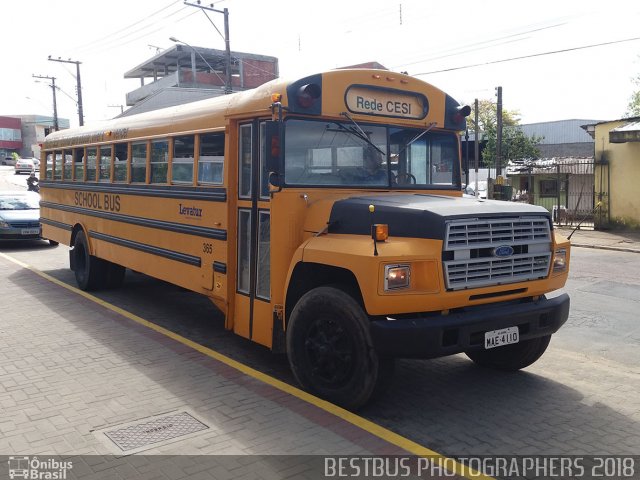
36	469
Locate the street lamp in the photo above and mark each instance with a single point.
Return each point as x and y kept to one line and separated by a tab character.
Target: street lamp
175	40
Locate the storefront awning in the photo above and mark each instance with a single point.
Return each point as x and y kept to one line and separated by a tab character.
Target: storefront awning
629	132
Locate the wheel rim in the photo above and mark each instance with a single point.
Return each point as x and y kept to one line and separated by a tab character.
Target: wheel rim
330	352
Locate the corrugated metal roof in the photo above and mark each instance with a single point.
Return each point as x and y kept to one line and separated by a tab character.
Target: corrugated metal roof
560	131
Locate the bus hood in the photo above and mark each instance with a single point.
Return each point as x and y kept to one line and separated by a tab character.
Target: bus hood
419	215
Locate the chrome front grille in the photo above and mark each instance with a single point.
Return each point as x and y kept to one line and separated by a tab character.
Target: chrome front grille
23	224
470	251
493	232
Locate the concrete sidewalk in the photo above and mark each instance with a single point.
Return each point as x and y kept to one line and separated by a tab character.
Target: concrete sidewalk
77	378
626	241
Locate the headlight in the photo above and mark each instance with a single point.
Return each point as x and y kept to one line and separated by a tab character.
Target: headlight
4	224
396	276
560	260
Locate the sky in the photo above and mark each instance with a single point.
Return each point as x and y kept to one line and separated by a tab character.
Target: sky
466	48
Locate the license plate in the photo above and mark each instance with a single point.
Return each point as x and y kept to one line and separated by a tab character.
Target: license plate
498	338
30	231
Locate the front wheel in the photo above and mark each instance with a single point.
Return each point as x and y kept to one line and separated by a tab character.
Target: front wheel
330	348
511	357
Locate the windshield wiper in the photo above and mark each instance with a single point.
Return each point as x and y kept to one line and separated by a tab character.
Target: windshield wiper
359	132
417	137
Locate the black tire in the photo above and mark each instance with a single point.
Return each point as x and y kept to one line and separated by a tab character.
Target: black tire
90	271
511	357
330	349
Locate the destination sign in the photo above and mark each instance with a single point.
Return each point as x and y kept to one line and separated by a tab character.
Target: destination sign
387	103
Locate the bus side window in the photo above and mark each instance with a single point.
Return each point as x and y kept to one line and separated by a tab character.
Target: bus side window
183	154
120	162
139	162
78	167
48	172
66	171
159	161
211	161
105	164
59	160
92	154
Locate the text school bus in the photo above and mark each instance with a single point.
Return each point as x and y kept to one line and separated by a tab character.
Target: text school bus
323	217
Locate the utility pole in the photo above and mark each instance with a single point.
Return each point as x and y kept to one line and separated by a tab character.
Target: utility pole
55	105
476	146
78	85
225	12
499	133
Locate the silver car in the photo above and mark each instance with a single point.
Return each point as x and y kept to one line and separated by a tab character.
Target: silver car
20	216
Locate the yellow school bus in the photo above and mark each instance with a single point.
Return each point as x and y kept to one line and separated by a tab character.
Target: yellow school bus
323	216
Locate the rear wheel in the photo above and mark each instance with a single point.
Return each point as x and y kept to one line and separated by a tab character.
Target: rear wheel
511	357
330	348
90	271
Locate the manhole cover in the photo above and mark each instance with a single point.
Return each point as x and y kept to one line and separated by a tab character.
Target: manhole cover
153	432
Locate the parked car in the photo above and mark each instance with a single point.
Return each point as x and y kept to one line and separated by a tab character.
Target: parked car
35	161
25	165
8	161
20	216
482	189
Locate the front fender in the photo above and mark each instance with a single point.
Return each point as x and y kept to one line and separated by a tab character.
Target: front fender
356	254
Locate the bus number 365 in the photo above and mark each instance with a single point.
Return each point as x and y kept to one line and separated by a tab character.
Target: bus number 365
207	248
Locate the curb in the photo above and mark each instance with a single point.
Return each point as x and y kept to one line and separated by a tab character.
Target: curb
605	247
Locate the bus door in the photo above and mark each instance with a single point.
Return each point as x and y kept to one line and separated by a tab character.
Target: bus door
253	317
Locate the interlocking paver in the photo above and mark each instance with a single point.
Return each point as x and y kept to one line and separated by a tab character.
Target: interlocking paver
69	367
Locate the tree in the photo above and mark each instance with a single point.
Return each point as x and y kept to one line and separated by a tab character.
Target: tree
633	108
515	144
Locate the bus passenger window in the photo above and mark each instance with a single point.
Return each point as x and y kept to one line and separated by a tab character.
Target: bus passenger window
159	161
66	167
105	164
78	167
183	150
120	162
48	172
57	174
211	161
92	154
139	162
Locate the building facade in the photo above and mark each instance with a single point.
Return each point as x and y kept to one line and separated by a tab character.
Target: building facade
617	172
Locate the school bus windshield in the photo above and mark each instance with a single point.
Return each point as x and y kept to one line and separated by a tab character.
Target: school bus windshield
333	153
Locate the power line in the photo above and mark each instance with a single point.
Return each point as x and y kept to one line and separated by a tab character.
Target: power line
490	43
533	55
109	36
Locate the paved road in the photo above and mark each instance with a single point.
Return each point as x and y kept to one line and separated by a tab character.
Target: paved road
580	398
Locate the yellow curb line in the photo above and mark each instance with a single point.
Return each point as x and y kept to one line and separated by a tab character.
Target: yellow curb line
360	422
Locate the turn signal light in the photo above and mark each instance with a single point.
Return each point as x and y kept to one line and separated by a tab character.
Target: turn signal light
380	232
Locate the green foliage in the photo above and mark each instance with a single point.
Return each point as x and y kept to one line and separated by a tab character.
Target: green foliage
15	155
515	144
633	108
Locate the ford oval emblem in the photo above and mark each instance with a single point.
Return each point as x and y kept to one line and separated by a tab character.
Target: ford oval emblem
503	251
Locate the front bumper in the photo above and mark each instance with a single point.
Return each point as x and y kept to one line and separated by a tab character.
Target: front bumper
460	331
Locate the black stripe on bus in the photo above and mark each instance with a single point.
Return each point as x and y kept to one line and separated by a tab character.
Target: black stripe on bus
213	233
143	247
53	223
165	191
220	267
